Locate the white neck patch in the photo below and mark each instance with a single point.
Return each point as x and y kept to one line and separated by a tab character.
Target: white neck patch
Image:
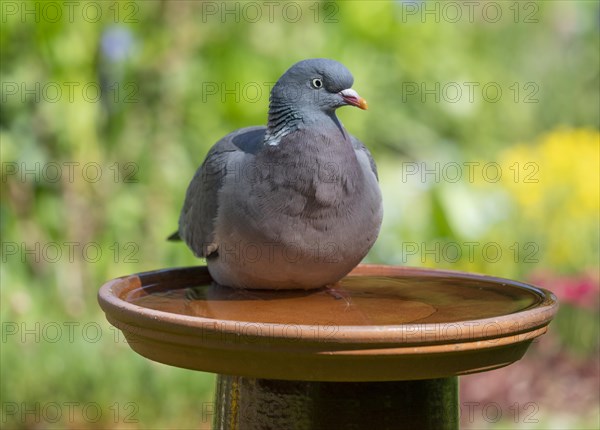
275	139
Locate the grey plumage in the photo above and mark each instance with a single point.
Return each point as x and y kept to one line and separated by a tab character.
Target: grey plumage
295	204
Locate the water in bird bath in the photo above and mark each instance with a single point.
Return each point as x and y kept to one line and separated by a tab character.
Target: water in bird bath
419	298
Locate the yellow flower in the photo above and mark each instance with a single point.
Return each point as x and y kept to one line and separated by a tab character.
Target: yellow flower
559	172
557	194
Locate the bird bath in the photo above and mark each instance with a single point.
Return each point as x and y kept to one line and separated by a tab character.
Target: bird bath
383	349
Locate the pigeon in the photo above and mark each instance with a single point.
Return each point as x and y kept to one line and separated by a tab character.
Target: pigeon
294	204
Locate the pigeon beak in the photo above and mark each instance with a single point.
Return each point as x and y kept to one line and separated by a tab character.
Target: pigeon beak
352	98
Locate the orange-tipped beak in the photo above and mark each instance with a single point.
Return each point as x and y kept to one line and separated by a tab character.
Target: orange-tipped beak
352	98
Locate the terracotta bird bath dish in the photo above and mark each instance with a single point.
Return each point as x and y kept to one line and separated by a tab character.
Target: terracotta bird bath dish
381	349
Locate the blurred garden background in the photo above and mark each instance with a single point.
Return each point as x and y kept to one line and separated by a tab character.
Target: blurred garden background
483	119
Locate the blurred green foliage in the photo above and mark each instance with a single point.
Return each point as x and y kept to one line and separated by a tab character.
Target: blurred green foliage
176	76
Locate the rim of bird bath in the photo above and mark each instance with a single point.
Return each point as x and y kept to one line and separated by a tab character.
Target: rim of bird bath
243	339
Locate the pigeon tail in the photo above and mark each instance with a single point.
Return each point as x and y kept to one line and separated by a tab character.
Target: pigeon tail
174	237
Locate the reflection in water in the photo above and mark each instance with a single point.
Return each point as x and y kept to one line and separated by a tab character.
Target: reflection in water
356	300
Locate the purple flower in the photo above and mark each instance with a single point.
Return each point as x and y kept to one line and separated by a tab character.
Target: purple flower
116	43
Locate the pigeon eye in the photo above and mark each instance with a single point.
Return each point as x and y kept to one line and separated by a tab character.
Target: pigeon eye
317	83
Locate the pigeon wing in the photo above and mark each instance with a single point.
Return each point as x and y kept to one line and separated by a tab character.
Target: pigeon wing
200	209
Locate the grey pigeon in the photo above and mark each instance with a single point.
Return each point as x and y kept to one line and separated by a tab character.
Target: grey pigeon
295	204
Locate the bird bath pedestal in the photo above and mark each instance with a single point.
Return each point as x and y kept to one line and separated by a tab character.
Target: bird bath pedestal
383	349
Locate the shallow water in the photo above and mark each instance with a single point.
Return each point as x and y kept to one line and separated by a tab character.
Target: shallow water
356	300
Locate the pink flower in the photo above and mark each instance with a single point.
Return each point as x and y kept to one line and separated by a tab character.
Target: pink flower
580	290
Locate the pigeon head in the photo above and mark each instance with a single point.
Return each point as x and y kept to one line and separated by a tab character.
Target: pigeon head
316	85
309	92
